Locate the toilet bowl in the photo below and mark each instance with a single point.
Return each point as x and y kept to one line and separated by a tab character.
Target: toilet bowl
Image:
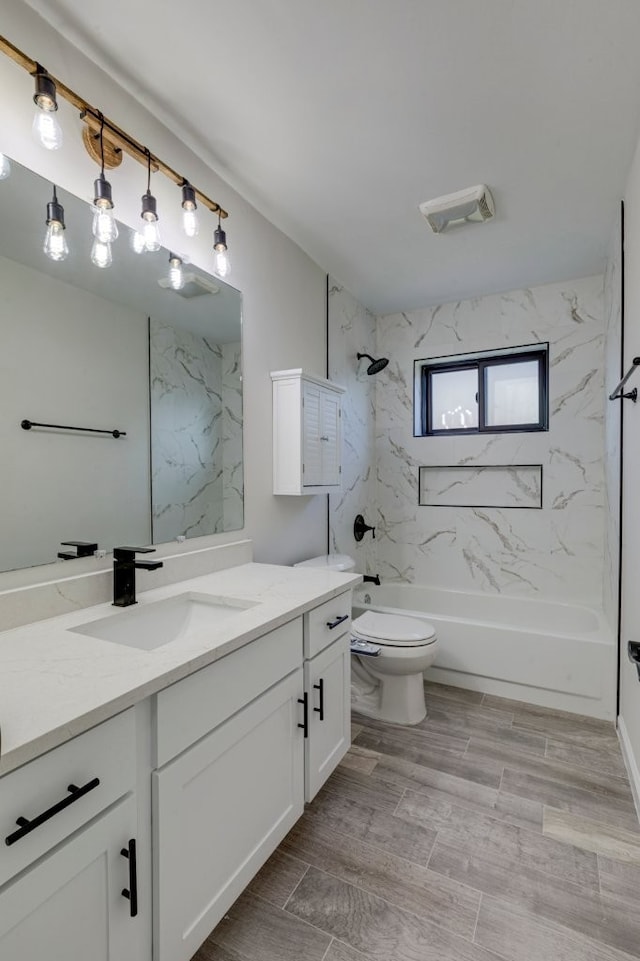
389	685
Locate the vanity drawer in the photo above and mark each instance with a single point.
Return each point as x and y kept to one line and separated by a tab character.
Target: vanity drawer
325	624
38	792
193	707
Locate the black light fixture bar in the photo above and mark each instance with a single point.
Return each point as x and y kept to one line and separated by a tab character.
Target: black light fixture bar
116	135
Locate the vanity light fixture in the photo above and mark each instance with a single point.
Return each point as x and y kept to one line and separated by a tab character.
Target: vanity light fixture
5	166
176	276
105	229
150	229
189	207
46	128
55	243
222	264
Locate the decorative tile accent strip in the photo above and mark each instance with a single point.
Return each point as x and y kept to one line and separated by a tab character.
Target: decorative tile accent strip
493	485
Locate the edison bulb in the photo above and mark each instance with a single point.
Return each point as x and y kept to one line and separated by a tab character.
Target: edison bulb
5	166
151	234
55	243
137	242
190	223
101	254
46	129
176	277
105	229
221	262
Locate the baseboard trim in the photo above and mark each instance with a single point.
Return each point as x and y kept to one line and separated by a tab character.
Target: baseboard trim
630	763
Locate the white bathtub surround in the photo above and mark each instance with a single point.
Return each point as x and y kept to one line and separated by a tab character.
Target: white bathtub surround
612	410
553	553
556	655
352	330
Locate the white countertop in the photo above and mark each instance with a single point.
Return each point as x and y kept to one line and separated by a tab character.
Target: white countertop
55	684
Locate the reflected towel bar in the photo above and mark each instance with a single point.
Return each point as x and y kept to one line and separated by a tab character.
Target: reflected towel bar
28	424
632	394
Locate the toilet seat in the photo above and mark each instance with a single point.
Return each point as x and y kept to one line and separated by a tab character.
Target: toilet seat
393	630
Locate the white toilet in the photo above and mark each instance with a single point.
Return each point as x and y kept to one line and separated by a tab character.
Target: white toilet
388	684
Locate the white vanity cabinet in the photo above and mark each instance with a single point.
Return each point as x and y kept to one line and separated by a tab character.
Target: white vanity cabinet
223	805
64	869
307	433
327	683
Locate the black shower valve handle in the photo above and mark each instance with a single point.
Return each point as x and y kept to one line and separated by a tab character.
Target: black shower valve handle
360	528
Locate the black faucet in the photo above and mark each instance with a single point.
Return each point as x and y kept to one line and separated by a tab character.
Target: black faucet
83	548
124	573
375	578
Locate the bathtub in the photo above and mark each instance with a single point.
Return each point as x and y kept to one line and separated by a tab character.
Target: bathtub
557	655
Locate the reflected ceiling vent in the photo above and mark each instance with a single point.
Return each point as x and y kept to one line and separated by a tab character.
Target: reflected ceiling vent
472	205
194	286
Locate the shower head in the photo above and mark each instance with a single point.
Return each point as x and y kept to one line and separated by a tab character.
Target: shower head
376	365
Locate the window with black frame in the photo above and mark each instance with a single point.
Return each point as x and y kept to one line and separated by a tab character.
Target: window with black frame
484	392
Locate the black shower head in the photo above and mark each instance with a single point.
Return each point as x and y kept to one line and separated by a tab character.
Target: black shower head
376	365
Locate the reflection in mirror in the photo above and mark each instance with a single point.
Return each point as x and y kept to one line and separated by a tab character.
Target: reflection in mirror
111	349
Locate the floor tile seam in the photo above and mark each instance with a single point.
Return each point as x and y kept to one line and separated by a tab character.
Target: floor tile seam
328	949
400	800
633	839
306	871
576	738
376	847
572	768
289	914
475	927
577	937
511	863
398	907
510	866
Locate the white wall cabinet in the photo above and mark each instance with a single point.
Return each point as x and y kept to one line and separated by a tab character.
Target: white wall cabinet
69	906
220	809
328	688
307	434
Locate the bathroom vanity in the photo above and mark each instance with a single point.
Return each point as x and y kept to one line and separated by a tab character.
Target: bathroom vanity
190	761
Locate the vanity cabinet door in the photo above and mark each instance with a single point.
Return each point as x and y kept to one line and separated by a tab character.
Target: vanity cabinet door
328	687
219	810
69	906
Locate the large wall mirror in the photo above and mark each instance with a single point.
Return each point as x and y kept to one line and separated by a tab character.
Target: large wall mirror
114	349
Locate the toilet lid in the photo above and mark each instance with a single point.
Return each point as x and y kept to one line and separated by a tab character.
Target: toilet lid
393	629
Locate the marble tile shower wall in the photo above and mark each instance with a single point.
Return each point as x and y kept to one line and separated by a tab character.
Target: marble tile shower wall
555	552
352	330
612	366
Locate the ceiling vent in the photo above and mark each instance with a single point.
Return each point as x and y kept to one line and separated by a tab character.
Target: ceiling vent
194	286
473	205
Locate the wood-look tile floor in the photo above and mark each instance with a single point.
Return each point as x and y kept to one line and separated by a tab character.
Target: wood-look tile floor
492	831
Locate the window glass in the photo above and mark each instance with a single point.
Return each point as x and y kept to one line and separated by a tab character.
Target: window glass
512	394
454	399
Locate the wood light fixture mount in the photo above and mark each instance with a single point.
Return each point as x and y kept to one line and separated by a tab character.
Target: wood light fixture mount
117	141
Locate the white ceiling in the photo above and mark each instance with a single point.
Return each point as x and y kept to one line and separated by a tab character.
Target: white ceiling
336	119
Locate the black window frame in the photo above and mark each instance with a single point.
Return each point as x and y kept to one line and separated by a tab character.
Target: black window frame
484	360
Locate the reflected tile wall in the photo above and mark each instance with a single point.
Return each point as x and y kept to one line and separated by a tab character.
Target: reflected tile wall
556	552
613	373
232	465
186	432
352	330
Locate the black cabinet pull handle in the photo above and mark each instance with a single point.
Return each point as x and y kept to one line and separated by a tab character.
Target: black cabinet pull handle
338	620
131	893
304	700
320	688
633	649
26	825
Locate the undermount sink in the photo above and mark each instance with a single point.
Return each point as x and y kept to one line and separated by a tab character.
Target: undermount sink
163	622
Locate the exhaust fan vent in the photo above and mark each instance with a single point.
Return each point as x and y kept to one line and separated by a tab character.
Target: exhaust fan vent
194	286
472	205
